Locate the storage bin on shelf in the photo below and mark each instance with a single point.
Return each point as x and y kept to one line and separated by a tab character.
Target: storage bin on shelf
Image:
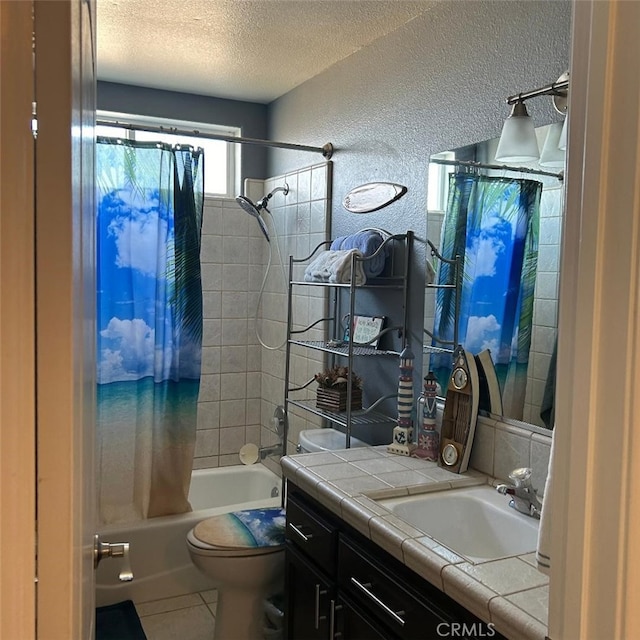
335	399
332	390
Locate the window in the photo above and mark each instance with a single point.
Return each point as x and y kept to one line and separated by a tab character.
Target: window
221	165
438	181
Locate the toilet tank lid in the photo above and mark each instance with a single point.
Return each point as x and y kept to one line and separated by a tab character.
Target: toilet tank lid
247	529
326	440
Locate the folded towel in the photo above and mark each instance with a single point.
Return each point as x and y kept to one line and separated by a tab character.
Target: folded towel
543	551
335	267
367	242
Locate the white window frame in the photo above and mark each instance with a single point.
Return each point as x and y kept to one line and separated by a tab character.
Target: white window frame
438	182
232	181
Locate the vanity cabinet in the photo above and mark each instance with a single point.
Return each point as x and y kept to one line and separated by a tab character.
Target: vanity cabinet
340	585
343	304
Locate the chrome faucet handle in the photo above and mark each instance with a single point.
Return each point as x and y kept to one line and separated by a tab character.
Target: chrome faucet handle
521	477
524	497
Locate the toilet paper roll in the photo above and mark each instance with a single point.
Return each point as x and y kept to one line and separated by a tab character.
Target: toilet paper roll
249	453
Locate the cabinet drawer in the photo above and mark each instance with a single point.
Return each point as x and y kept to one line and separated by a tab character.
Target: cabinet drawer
408	613
313	534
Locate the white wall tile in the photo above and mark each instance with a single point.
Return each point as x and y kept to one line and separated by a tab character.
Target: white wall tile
233	359
207	442
210	360
232	413
233	386
231	440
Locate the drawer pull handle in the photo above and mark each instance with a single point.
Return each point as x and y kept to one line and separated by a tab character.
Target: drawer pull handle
318	594
395	615
304	537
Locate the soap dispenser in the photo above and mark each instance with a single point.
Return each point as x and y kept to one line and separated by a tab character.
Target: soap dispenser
428	440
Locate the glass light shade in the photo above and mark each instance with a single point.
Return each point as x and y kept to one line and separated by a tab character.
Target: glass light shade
562	141
552	156
518	141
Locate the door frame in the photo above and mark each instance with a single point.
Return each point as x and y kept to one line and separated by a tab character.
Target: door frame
17	326
595	502
65	316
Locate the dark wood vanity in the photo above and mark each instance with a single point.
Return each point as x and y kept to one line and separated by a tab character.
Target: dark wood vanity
340	585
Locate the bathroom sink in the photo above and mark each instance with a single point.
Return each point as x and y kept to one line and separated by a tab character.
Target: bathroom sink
475	522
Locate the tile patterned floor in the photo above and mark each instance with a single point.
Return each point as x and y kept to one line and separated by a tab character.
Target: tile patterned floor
188	617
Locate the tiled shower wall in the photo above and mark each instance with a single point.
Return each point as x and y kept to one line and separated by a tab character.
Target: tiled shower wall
545	309
242	382
302	222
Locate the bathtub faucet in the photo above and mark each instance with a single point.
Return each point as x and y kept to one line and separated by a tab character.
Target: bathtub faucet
269	451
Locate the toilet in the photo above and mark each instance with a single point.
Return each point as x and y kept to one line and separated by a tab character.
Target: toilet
329	439
243	552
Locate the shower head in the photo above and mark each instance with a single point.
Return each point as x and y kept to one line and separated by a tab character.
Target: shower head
253	210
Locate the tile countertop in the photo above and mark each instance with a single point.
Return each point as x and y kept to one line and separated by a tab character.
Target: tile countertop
509	592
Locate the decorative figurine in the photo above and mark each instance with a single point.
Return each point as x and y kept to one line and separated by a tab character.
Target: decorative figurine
428	438
403	434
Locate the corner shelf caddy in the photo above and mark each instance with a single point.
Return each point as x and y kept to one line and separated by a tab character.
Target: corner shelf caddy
400	248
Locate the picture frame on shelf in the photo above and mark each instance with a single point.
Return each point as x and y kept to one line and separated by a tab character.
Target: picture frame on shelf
364	330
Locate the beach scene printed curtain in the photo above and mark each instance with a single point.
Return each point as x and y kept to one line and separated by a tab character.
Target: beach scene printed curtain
149	334
492	223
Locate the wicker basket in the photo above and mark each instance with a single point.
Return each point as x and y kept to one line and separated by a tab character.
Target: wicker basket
335	399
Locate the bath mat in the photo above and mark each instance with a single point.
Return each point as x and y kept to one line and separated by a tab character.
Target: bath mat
119	622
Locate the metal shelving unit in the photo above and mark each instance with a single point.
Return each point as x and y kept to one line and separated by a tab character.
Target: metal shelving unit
346	352
455	284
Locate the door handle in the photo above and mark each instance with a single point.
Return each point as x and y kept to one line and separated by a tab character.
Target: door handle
333	634
113	550
318	617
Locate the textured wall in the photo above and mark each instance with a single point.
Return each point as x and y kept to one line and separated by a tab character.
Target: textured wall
437	83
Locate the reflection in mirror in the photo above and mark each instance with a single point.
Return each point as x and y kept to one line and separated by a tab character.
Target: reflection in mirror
504	224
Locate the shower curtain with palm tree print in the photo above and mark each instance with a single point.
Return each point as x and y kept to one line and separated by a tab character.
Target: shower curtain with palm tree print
149	310
492	224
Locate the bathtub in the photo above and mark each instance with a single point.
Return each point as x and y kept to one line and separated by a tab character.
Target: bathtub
159	558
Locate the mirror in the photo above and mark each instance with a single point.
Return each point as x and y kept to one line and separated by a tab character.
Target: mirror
506	225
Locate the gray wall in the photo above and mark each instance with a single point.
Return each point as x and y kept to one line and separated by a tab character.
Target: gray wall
249	116
437	83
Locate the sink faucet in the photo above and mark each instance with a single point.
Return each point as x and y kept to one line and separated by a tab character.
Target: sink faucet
524	498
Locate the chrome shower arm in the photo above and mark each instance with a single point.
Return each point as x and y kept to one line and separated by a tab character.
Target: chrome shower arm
262	204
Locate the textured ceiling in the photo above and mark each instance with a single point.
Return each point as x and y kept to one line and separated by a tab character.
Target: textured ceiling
253	50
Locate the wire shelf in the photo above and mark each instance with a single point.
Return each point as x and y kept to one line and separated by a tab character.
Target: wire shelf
321	345
361	417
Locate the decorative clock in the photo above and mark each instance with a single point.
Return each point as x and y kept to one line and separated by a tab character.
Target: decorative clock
460	413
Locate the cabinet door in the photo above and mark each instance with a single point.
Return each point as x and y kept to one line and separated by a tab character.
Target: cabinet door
308	598
351	623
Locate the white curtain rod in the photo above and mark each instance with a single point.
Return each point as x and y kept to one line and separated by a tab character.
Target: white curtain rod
326	150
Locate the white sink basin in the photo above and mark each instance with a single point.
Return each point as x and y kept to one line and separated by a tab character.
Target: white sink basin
475	522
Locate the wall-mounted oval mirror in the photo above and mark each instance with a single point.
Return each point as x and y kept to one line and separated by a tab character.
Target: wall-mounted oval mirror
504	223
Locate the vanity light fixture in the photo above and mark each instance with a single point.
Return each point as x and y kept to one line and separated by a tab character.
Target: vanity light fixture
562	142
552	155
518	142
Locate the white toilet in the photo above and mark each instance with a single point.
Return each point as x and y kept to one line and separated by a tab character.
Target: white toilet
244	553
326	440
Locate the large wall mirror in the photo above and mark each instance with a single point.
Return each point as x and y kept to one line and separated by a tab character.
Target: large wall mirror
505	222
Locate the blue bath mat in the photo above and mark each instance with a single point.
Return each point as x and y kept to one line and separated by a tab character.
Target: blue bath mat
119	622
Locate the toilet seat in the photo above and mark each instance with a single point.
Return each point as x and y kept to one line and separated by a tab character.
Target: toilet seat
251	532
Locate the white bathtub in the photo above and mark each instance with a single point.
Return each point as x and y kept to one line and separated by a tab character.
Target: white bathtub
160	561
